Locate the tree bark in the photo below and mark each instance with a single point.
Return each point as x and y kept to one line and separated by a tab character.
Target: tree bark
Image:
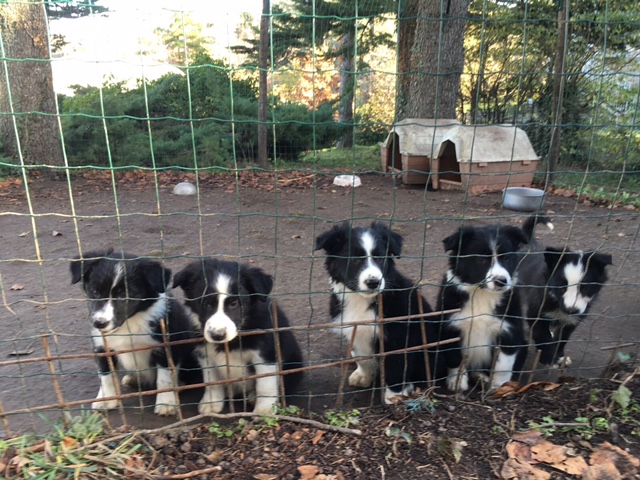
431	57
26	93
558	91
347	67
263	100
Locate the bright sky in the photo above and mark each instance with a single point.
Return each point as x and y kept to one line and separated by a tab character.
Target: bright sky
103	46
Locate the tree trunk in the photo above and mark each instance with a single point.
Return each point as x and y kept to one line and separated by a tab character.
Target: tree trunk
558	90
27	94
263	100
431	57
347	67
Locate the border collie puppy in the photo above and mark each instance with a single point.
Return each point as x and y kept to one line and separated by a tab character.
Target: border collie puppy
128	299
228	299
360	264
480	282
557	288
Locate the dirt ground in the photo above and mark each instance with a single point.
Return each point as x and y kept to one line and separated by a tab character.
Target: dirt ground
271	222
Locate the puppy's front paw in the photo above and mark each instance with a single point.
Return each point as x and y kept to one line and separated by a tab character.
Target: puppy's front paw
166	404
129	381
209	408
165	410
458	382
263	407
106	405
562	362
361	378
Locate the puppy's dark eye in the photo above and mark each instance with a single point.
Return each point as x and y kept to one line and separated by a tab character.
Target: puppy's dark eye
233	303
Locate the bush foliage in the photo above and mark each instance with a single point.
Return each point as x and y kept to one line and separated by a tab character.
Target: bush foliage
205	117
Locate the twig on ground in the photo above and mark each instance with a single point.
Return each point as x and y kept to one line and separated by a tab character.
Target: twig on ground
194	473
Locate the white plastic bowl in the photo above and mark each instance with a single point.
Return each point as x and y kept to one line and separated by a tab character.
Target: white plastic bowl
523	199
184	188
347	181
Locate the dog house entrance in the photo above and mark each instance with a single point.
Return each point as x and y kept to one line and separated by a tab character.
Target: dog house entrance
446	167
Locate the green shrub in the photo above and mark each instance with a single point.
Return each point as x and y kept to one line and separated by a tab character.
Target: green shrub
202	122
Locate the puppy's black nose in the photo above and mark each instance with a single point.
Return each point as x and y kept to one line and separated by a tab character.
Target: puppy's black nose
572	310
372	283
218	335
100	324
501	282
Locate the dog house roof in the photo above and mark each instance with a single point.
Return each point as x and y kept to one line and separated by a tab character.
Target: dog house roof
473	143
420	136
489	143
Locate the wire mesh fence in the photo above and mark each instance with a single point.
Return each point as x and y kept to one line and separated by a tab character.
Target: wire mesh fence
338	103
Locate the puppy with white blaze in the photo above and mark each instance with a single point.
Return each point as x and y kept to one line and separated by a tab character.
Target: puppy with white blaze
229	299
558	287
127	298
361	267
480	282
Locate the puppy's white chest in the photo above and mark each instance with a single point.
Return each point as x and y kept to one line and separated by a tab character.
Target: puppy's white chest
355	308
479	328
233	365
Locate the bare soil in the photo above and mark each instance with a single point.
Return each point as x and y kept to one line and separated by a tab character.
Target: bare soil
272	221
459	438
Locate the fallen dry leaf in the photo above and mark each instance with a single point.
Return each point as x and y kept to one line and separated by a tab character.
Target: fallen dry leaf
307	472
265	476
520	451
16	286
572	465
607	452
548	452
55	233
512	469
67	443
530	437
508	388
546	386
603	471
318	436
515	388
24	234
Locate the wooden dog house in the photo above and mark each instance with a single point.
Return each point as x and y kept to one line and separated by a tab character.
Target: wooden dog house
411	145
477	158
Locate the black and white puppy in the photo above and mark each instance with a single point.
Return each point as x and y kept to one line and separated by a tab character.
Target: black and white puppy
229	299
360	264
128	300
480	282
558	286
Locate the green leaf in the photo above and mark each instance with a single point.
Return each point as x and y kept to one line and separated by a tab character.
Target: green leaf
622	396
623	357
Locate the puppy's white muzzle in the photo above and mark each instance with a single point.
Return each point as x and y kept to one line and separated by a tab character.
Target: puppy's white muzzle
220	329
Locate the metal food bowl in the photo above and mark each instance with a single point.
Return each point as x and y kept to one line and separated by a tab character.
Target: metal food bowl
523	199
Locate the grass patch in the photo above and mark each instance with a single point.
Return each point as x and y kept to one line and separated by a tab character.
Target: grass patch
72	450
600	187
360	158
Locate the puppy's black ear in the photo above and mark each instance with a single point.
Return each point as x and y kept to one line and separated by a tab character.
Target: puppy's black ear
158	277
602	259
81	267
333	240
255	280
516	234
185	276
394	240
552	256
453	242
